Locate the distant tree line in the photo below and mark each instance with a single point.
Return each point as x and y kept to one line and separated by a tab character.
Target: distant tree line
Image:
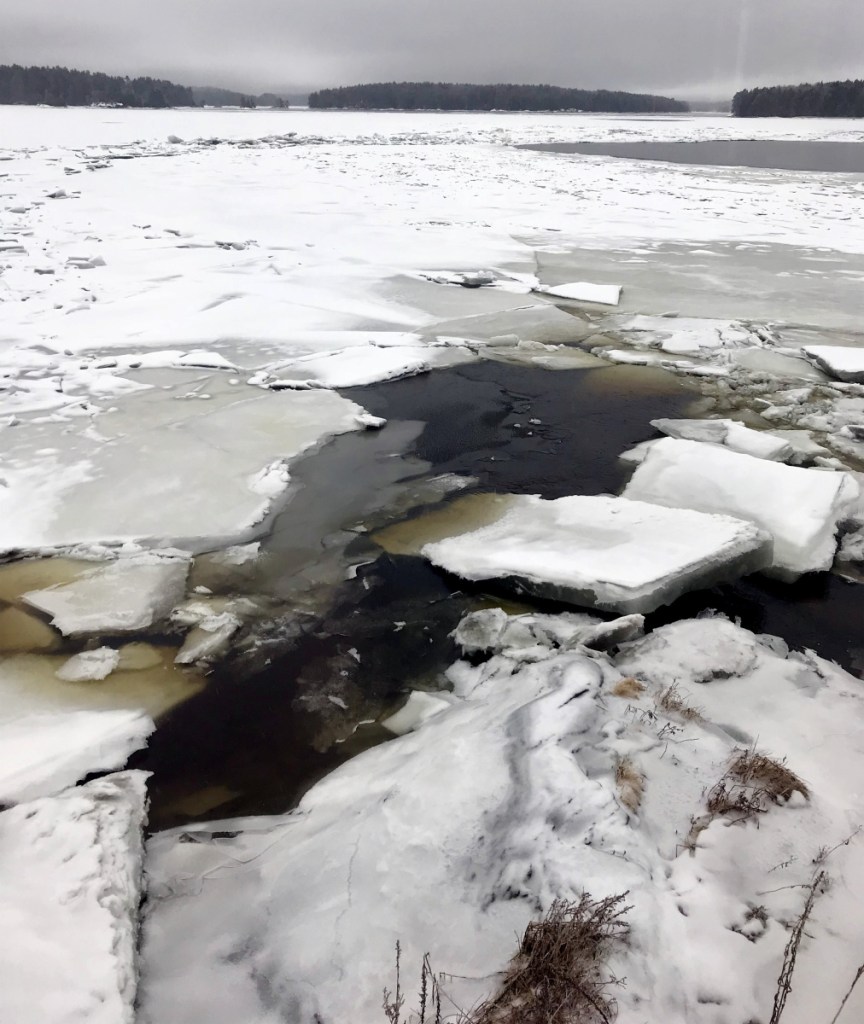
818	99
61	87
449	96
210	96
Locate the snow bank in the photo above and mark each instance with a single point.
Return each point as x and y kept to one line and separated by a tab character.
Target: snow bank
41	753
70	869
799	508
451	838
609	553
126	596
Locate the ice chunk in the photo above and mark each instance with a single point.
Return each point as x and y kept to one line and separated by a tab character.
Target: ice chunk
210	639
842	362
70	886
419	708
583	291
603	552
126	596
42	753
799	508
803	447
89	666
729	433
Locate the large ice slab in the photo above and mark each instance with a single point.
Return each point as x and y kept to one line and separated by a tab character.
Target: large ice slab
42	752
70	870
126	596
602	552
799	508
841	361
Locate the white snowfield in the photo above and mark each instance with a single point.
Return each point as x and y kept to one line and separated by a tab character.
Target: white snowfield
70	885
603	552
452	838
799	508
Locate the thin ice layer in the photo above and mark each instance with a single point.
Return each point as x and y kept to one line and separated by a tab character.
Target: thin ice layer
70	870
799	508
603	552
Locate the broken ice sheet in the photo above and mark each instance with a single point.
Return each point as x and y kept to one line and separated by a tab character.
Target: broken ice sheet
602	552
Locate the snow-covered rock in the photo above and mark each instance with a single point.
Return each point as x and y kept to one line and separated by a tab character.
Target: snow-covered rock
841	361
728	433
125	596
799	508
451	838
602	552
70	886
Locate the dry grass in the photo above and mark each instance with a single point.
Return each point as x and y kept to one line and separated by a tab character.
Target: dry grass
749	786
630	688
671	701
631	784
558	975
752	782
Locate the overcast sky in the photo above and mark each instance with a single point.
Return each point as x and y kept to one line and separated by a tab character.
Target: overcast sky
689	48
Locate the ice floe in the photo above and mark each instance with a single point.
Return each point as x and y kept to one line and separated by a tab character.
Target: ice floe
128	595
730	434
603	552
798	508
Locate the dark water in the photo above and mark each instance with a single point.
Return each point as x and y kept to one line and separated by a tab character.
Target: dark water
255	744
838	157
251	744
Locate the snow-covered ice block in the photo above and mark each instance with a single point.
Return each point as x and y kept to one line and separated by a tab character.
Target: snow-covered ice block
799	508
730	434
126	596
70	886
603	552
42	753
584	291
841	361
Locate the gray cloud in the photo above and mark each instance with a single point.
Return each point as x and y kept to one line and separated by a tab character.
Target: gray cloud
680	47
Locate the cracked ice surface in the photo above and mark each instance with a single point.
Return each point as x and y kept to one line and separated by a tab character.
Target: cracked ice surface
451	838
